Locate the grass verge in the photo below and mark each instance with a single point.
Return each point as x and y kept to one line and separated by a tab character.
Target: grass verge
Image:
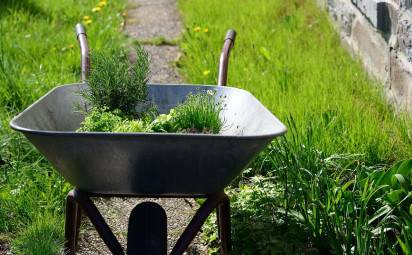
342	133
38	50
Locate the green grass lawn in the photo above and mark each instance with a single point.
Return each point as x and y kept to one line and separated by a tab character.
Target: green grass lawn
289	57
326	187
318	190
38	50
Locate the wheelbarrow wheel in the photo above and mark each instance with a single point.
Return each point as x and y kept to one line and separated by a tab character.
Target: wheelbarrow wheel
147	231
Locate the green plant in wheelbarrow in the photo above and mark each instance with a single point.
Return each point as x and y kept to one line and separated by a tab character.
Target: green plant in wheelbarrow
119	98
116	84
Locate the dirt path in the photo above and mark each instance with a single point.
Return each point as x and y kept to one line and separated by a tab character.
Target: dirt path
151	20
147	20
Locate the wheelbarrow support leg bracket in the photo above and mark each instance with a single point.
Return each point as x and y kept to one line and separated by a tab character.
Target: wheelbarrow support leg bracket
78	201
83	200
223	222
220	201
72	224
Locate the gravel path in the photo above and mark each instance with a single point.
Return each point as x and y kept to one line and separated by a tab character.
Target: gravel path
147	20
155	19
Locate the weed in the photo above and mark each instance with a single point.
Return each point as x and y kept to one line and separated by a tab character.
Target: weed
157	41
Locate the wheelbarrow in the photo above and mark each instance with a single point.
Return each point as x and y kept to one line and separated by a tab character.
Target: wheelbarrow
148	164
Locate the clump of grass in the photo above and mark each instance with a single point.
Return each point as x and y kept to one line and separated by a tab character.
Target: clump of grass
345	204
200	113
157	41
116	84
48	230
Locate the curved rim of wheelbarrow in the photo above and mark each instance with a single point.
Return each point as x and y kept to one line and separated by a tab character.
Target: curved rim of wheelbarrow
15	126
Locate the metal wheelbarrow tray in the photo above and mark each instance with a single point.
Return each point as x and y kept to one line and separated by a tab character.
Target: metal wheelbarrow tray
167	164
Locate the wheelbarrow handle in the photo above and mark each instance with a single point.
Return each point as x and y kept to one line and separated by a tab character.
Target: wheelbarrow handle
84	51
223	63
228	44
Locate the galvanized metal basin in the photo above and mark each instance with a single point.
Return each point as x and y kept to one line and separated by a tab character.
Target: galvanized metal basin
149	163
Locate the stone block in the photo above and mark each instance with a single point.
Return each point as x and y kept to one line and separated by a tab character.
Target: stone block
382	14
371	47
369	8
387	15
323	4
343	14
404	34
379	32
405	4
400	91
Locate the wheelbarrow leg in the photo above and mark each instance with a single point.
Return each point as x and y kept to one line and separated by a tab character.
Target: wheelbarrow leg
223	222
72	224
197	222
98	222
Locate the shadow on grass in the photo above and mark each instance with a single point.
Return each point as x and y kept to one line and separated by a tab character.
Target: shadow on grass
28	6
4	246
259	224
268	236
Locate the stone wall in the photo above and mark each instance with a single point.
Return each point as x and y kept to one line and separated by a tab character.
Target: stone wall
380	33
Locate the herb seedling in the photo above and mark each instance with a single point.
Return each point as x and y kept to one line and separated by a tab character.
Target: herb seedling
118	95
115	84
100	120
199	114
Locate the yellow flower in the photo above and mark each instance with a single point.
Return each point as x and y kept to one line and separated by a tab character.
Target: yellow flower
86	18
197	29
124	14
206	30
96	9
88	22
206	72
71	46
102	4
